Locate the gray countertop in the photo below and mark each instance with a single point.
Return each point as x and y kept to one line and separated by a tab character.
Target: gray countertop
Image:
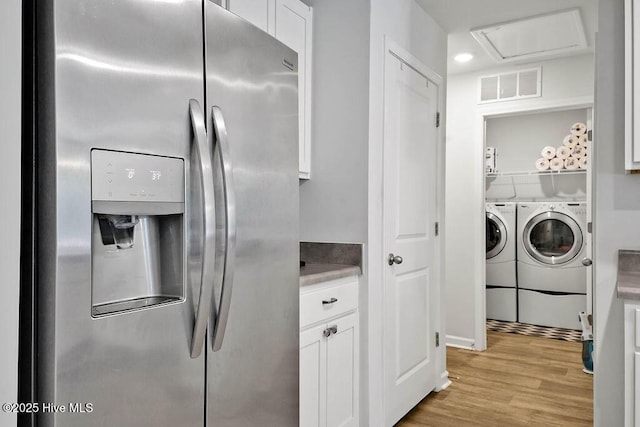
628	286
329	261
313	273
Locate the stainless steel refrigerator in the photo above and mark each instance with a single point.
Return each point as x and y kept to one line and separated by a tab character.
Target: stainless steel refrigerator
165	218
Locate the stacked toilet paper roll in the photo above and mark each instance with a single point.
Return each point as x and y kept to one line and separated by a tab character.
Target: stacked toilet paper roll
563	152
556	164
582	163
572	163
548	152
570	141
542	164
571	155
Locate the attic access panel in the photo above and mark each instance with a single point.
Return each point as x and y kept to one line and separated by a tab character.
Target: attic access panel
554	34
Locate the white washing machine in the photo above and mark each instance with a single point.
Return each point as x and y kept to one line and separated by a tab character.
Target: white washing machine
501	261
552	281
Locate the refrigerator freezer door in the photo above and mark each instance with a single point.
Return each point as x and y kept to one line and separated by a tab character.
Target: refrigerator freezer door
251	77
115	75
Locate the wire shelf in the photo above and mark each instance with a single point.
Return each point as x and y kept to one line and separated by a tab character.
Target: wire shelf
536	173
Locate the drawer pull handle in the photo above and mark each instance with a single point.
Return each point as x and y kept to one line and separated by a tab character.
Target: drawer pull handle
330	301
330	331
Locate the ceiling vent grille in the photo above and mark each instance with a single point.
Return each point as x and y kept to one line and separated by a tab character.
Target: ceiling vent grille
511	85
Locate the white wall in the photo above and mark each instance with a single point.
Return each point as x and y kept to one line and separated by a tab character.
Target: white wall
616	216
333	203
519	139
10	41
406	24
465	253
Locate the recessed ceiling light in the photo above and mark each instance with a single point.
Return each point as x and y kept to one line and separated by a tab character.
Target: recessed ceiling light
463	57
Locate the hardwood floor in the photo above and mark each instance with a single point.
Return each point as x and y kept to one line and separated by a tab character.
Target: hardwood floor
518	381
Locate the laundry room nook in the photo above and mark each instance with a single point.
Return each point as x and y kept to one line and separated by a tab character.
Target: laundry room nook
536	235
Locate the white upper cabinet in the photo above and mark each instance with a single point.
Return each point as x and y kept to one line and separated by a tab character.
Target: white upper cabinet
294	22
259	12
291	22
632	83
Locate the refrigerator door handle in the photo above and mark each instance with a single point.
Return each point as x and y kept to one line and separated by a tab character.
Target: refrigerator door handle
208	250
222	144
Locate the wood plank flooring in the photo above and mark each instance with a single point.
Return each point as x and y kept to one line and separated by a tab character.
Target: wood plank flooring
519	381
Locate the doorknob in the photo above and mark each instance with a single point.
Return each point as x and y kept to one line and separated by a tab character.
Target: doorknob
394	259
587	262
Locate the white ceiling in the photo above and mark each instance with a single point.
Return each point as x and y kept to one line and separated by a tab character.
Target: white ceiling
457	17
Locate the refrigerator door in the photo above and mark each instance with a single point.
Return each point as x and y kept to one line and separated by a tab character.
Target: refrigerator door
117	77
251	88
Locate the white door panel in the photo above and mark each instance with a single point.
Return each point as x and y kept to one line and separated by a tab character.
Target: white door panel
411	185
412	323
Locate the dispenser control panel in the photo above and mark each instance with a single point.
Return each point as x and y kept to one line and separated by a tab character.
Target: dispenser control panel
117	176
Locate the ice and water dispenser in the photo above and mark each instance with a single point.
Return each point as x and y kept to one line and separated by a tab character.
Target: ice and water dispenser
137	204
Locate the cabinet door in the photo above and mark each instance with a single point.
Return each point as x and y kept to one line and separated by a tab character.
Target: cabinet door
313	365
342	373
632	92
293	27
636	389
259	12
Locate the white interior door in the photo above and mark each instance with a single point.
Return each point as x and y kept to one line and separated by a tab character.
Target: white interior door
410	215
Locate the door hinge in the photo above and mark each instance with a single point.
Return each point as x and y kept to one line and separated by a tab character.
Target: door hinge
437	228
438	119
437	339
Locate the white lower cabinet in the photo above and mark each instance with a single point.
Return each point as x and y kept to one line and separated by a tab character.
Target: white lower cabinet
632	363
329	356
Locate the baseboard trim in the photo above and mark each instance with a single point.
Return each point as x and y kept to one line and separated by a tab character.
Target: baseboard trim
460	342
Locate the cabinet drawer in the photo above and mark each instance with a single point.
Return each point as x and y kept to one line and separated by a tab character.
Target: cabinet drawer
325	303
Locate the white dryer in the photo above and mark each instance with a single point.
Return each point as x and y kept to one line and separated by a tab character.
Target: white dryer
552	281
501	261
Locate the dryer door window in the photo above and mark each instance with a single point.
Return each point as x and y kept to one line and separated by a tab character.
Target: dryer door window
496	238
552	238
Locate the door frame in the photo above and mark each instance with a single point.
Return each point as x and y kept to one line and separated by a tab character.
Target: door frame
494	111
376	251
